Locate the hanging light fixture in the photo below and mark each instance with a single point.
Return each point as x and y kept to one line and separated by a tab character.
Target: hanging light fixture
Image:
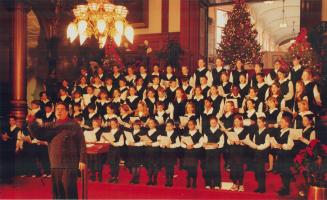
101	19
283	24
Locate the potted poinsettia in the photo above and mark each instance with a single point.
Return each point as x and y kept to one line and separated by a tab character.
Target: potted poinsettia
312	164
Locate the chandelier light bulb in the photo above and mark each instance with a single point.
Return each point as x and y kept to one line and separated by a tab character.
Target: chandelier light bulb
108	7
102	20
101	25
102	41
119	25
93	6
82	25
129	33
72	32
82	38
117	39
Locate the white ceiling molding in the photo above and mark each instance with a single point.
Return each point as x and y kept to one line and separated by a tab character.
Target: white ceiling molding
270	16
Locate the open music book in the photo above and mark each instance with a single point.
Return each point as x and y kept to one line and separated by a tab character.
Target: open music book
165	141
129	137
296	133
108	137
187	140
145	139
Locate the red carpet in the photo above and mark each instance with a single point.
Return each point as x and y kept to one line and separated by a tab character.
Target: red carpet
34	188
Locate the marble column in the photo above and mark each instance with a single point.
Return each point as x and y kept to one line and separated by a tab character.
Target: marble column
18	71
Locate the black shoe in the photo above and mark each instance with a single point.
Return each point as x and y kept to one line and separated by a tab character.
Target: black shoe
260	190
257	190
116	180
149	182
132	181
284	192
154	182
137	180
188	184
194	184
100	177
111	180
93	177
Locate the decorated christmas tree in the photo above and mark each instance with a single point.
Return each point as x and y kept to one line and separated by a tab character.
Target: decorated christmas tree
302	48
111	55
239	37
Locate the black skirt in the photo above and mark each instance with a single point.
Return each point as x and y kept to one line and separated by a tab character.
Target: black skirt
191	158
168	157
152	156
236	154
114	155
212	159
135	156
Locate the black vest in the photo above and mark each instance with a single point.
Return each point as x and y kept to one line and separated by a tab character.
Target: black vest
273	75
188	90
198	74
284	87
196	137
216	76
282	139
271	118
236	76
227	87
118	134
306	134
173	137
262	92
227	121
309	92
296	75
242	135
154	136
260	138
137	137
213	137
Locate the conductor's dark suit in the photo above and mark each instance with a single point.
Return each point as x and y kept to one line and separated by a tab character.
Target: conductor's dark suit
66	149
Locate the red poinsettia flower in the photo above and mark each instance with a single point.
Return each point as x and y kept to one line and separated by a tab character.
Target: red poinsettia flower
299	158
309	151
313	143
324	148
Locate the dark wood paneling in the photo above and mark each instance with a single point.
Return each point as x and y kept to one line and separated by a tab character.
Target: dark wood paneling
157	40
138	12
165	16
190	32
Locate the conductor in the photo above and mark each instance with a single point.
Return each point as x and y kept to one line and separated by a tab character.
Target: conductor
67	151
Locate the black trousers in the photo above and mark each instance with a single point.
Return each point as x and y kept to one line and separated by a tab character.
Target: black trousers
96	162
43	157
284	162
64	183
212	168
114	160
8	162
236	162
192	172
259	168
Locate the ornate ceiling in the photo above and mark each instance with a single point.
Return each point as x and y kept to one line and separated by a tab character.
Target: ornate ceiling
270	16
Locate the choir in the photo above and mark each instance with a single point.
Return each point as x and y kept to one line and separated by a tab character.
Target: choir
158	120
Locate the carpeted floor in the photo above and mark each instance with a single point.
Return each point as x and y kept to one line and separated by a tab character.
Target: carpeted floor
41	188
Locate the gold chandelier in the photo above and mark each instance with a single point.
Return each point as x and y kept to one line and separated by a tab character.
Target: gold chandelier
101	19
